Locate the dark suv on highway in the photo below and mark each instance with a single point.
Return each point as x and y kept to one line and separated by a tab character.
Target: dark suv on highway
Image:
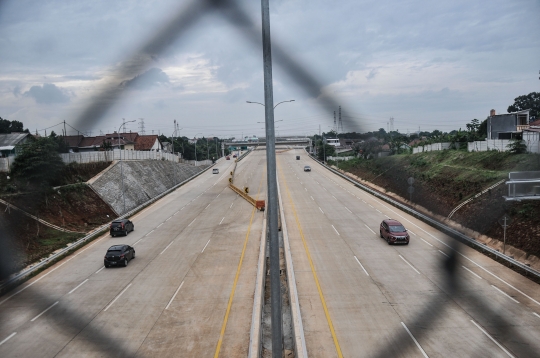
394	232
119	255
121	226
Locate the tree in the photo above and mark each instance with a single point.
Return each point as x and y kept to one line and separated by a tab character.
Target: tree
38	162
325	149
368	148
517	146
11	126
530	101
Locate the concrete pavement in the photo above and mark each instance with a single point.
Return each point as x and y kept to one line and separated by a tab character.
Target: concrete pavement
172	300
360	297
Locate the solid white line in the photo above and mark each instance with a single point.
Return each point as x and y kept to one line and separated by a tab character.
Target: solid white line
378	211
99	270
137	242
78	286
231	205
411	232
166	247
361	265
39	315
504	293
494	341
178	289
117	297
149	233
170	217
471	272
335	230
8	338
159	225
205	246
192	222
407	262
536	314
311	197
348	210
321	210
426	242
370	229
222	220
415	341
443	253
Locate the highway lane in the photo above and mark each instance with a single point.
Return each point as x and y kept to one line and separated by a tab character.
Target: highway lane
174	297
393	300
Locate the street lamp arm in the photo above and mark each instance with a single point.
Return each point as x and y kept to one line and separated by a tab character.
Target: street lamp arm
255	103
292	100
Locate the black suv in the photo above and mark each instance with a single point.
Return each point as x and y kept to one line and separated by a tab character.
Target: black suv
119	255
121	226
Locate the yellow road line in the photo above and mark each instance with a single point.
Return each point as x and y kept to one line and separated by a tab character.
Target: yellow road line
231	297
328	319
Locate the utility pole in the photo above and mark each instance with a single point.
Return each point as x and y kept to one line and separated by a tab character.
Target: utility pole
275	284
335	126
340	125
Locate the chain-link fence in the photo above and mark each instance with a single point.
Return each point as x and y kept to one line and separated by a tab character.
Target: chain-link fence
141	59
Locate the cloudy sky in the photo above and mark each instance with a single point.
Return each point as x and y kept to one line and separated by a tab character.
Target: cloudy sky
427	64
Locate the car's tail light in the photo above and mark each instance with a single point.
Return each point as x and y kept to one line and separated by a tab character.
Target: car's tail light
122	225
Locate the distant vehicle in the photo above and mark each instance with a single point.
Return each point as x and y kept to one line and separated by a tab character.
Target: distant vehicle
215	171
307	168
234	156
394	232
297	157
119	255
121	226
228	158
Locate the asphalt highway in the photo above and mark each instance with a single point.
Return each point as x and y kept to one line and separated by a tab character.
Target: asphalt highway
188	292
360	297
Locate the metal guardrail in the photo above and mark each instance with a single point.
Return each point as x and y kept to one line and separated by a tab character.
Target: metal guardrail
436	224
66	251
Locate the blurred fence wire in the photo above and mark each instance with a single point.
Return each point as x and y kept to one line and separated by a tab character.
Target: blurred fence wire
113	91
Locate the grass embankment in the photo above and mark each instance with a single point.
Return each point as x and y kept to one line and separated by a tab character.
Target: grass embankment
443	179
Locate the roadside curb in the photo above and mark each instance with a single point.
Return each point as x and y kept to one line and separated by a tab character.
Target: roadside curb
298	327
255	335
49	261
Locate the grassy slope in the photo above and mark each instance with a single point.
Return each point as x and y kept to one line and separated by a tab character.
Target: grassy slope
443	179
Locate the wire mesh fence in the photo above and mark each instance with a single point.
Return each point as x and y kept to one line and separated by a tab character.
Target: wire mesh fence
137	63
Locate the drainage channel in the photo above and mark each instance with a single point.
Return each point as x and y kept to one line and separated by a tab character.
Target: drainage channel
288	334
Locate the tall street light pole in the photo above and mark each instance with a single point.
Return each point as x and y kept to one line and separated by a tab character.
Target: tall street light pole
121	165
275	285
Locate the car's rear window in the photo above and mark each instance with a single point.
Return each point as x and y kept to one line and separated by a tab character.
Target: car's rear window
114	252
397	228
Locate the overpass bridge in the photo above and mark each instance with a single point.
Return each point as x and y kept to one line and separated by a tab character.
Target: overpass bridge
287	141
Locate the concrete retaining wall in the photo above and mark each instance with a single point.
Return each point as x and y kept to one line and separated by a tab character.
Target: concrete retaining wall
143	180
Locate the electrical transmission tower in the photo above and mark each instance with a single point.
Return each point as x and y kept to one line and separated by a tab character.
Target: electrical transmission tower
335	125
340	123
141	126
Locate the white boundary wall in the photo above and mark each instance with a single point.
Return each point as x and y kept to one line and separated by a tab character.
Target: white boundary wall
5	163
98	156
431	147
